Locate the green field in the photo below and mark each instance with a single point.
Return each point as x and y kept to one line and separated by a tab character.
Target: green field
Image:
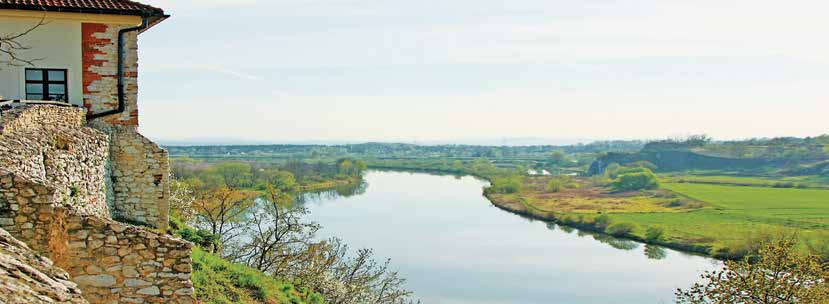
774	182
739	213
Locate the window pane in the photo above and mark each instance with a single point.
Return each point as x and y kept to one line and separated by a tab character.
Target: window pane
56	76
34	75
34	97
58	97
57	88
34	88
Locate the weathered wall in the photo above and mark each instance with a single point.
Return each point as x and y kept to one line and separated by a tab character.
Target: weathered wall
100	67
50	143
53	188
140	173
26	277
57	44
110	261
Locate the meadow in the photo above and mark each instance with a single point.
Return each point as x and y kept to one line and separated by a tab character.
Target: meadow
720	220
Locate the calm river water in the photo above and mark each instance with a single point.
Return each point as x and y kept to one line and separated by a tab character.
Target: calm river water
453	246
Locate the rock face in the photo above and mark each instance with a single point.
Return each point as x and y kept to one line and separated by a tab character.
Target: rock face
26	277
60	183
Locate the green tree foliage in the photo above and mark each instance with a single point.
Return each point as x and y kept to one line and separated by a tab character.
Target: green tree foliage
602	221
620	229
234	174
560	183
558	157
778	273
638	179
351	167
218	281
654	234
507	185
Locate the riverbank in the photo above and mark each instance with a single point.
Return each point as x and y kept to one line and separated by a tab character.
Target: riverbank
725	222
331	184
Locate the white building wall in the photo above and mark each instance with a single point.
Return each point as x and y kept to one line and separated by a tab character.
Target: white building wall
57	43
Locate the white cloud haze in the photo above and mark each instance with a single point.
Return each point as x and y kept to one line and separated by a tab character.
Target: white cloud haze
386	70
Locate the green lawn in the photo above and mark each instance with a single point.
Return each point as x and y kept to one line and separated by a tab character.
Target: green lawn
737	213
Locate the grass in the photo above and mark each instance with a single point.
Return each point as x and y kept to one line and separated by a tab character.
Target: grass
751	181
715	219
218	281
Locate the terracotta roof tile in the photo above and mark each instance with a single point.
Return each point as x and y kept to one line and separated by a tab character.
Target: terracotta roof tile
122	7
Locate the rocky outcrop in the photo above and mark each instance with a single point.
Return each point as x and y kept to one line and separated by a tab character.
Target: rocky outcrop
26	277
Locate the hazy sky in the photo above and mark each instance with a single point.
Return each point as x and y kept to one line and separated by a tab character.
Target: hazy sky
357	70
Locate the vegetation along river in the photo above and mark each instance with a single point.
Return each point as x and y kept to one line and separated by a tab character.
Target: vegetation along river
454	246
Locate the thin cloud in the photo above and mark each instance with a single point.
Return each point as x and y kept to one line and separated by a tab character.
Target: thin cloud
236	74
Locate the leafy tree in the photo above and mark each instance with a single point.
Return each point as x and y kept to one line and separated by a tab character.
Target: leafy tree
507	185
636	181
620	229
558	157
235	175
779	273
654	234
222	211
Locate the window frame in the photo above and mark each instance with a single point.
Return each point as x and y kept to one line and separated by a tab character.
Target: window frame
45	82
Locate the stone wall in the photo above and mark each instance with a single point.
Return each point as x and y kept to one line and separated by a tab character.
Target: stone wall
56	176
100	65
140	173
50	143
27	277
110	261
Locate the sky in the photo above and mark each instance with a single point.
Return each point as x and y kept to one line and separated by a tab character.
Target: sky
296	71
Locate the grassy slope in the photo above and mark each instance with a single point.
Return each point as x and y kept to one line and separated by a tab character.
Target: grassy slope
218	281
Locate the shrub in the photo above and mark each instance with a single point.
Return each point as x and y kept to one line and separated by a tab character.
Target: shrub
636	181
554	186
620	229
654	234
200	237
507	185
602	221
218	281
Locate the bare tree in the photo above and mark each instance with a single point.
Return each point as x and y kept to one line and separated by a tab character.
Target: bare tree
280	242
11	46
222	211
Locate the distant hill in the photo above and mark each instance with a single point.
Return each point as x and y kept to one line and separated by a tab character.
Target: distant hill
782	155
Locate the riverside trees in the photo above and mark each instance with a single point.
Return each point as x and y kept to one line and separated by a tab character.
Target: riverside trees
778	273
267	230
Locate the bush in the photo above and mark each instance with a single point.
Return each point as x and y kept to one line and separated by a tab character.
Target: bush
644	180
218	281
554	186
620	229
507	185
654	234
602	221
200	237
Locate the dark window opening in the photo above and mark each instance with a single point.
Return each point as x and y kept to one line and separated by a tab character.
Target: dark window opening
46	84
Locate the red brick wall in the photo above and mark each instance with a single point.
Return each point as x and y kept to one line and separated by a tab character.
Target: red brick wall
100	80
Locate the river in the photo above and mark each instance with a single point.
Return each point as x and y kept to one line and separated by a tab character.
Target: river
453	246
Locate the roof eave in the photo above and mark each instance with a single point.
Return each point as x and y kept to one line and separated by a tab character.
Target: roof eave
143	13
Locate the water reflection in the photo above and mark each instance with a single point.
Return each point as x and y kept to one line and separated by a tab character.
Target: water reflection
655	252
454	248
344	191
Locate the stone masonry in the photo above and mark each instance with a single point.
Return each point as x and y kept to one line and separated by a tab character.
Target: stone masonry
27	277
56	177
100	66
